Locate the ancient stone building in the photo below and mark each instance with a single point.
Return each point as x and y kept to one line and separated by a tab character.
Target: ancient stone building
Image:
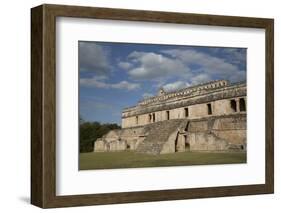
206	117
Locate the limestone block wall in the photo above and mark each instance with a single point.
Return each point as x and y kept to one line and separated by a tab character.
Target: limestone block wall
220	133
142	120
230	123
131	144
218	107
222	107
215	133
120	140
199	126
182	143
117	146
99	145
202	141
129	122
237	137
110	146
198	110
175	113
169	146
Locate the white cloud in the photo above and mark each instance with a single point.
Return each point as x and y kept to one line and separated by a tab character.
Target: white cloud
101	77
125	65
153	66
208	66
175	86
125	85
93	58
235	55
239	76
201	78
147	95
100	83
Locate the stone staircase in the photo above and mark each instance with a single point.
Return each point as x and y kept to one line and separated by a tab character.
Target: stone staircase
158	134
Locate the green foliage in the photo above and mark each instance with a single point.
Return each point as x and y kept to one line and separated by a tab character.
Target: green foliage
127	159
90	132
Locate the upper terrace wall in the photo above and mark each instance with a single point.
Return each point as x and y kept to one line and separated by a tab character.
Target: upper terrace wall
179	99
213	108
218	98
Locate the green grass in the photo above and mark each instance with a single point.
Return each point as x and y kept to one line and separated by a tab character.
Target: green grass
114	160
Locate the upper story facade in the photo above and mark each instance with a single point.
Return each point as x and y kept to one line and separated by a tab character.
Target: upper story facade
210	99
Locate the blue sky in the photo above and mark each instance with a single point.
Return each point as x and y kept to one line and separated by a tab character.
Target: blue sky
117	75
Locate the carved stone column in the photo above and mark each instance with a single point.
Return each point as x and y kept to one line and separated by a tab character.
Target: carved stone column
237	105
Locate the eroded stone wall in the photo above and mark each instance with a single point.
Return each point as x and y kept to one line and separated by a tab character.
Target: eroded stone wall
214	133
218	133
219	107
209	117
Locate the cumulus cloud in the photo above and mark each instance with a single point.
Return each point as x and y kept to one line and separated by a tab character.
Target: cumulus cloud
211	63
188	65
125	85
93	58
171	68
98	82
201	78
208	66
147	95
235	56
125	65
238	76
153	66
175	86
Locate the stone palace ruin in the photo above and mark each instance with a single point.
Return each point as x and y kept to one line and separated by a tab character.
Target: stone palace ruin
206	117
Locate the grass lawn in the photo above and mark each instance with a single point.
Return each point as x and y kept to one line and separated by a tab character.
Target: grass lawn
114	160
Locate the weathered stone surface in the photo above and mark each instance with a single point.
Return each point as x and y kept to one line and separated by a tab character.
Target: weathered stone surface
206	141
208	117
159	134
197	108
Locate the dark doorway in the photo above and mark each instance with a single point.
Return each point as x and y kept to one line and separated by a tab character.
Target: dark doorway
167	115
128	147
209	109
186	144
233	105
186	113
242	105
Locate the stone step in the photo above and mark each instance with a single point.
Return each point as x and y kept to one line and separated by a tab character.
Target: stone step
158	134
